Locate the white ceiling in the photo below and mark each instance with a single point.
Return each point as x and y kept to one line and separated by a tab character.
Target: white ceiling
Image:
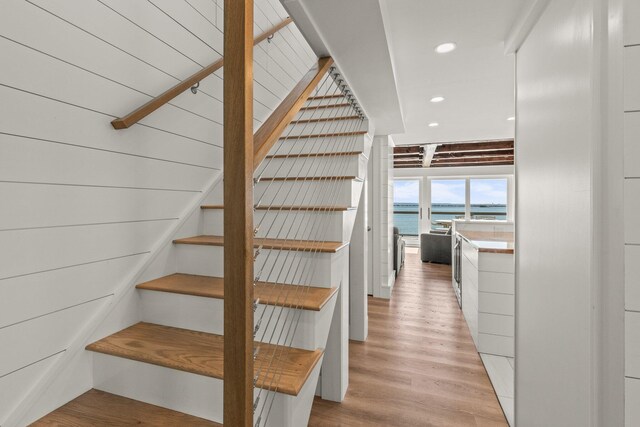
385	48
477	79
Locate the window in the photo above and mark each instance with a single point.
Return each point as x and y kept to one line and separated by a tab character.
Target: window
488	199
406	206
447	202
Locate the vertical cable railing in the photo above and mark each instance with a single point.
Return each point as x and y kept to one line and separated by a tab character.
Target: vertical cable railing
295	206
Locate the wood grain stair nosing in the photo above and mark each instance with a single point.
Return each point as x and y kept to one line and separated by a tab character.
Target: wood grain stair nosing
320	107
317	98
325	119
201	353
302	155
317	209
313	178
311	299
324	135
268	244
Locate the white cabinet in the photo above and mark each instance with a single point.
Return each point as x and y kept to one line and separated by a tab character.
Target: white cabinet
488	299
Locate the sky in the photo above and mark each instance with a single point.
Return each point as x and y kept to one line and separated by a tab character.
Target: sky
483	191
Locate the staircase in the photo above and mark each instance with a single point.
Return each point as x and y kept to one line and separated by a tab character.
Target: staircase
306	196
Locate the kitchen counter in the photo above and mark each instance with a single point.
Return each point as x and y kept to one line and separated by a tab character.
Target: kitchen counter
489	241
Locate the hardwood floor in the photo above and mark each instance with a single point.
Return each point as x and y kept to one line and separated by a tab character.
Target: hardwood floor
419	366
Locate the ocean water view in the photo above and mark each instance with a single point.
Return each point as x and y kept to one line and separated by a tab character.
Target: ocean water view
406	216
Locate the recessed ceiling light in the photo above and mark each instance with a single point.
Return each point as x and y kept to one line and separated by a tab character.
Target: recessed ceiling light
434	125
511	118
437	99
446	47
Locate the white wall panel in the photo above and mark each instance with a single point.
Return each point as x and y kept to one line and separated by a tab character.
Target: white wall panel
69	67
632	277
632	211
632	144
632	402
631	80
631	22
632	344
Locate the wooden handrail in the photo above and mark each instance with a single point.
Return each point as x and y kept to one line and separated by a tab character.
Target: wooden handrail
272	128
140	113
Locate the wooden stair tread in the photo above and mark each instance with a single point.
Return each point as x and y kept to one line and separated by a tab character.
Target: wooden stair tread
324	135
314	98
290	208
303	297
320	107
99	408
202	353
278	244
311	178
326	119
299	155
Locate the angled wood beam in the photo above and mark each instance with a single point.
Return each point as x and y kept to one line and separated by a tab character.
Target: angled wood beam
272	128
238	213
144	110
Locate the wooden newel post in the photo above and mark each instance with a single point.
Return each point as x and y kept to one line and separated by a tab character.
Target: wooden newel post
238	213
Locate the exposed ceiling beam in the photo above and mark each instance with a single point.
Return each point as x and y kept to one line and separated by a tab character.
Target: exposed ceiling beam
408	149
475	159
429	152
480	163
475	146
405	166
487	153
408	159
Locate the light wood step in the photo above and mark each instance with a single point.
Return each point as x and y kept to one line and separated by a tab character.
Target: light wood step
307	298
289	208
202	354
325	135
317	98
312	178
278	244
299	155
97	408
327	119
320	107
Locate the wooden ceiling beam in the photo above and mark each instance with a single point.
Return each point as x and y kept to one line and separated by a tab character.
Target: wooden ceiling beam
474	159
477	163
408	159
408	149
488	153
475	146
406	166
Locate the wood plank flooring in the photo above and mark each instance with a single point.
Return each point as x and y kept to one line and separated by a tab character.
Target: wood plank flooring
419	366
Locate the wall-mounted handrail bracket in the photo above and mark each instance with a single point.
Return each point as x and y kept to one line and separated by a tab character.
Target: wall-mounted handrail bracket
143	111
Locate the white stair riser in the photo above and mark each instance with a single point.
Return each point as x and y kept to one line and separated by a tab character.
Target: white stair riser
333	144
325	113
309	328
194	394
297	225
324	127
290	267
308	193
354	165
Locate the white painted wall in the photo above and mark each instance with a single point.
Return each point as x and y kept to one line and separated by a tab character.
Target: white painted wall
85	207
631	208
381	160
558	286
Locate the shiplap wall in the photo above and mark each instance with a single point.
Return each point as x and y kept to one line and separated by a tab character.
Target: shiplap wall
82	206
632	210
381	182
